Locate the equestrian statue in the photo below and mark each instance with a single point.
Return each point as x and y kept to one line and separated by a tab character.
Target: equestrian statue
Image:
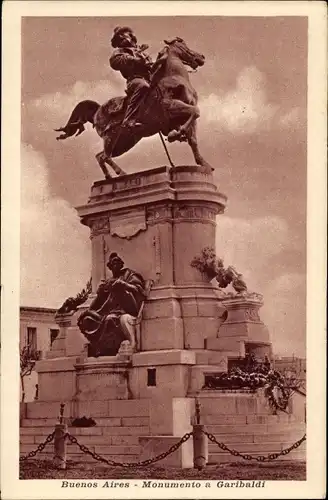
159	99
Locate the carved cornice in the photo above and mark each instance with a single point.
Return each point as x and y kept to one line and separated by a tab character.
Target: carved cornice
127	224
252	315
178	213
159	214
194	213
99	225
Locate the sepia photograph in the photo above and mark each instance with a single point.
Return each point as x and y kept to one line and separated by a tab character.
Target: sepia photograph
164	272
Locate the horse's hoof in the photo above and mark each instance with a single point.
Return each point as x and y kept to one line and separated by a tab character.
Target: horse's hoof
173	136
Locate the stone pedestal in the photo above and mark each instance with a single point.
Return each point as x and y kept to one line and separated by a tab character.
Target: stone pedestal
58	347
157	221
242	331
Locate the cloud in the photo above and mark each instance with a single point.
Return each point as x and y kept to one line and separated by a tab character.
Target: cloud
250	244
55	252
60	104
285	312
293	118
52	110
252	247
245	109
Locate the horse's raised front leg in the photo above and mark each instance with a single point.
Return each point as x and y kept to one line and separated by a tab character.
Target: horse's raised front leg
176	109
192	141
192	119
101	159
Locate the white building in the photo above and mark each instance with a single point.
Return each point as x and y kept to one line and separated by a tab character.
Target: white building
38	330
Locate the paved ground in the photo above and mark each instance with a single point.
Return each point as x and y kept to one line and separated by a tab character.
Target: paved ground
286	470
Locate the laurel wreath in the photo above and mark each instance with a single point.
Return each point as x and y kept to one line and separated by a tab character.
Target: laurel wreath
269	380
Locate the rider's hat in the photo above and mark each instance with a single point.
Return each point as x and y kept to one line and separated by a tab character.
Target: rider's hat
117	32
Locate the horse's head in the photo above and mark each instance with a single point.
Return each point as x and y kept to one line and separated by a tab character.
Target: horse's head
179	48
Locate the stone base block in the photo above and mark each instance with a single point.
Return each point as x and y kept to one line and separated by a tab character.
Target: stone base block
198	372
297	406
249	331
160	374
208	357
152	446
164	357
197	329
159	306
199	302
102	378
232	347
161	333
171	416
48	409
75	341
169	380
217	403
55	353
56	379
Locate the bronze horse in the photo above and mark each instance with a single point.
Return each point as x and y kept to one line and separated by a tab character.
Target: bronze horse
170	107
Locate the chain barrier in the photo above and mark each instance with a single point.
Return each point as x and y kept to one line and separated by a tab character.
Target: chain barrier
141	463
258	458
161	456
39	448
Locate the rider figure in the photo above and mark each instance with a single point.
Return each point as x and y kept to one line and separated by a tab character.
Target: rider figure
135	66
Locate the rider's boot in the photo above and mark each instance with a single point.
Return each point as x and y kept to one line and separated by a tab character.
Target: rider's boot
131	124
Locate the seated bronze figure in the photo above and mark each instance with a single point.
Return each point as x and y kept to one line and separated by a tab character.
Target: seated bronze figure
107	322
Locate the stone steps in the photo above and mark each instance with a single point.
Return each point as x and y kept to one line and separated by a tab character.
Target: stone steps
83	457
242	422
255	428
88	434
95	409
273	434
247	419
234	404
114	444
258	438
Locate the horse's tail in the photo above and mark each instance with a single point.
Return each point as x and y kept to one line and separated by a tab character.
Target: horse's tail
83	112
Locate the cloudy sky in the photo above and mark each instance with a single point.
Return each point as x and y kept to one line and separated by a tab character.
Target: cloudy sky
252	129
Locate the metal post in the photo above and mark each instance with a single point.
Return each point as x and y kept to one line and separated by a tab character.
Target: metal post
60	446
60	440
197	411
200	443
61	413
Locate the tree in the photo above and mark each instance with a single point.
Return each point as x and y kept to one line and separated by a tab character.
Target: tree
28	357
